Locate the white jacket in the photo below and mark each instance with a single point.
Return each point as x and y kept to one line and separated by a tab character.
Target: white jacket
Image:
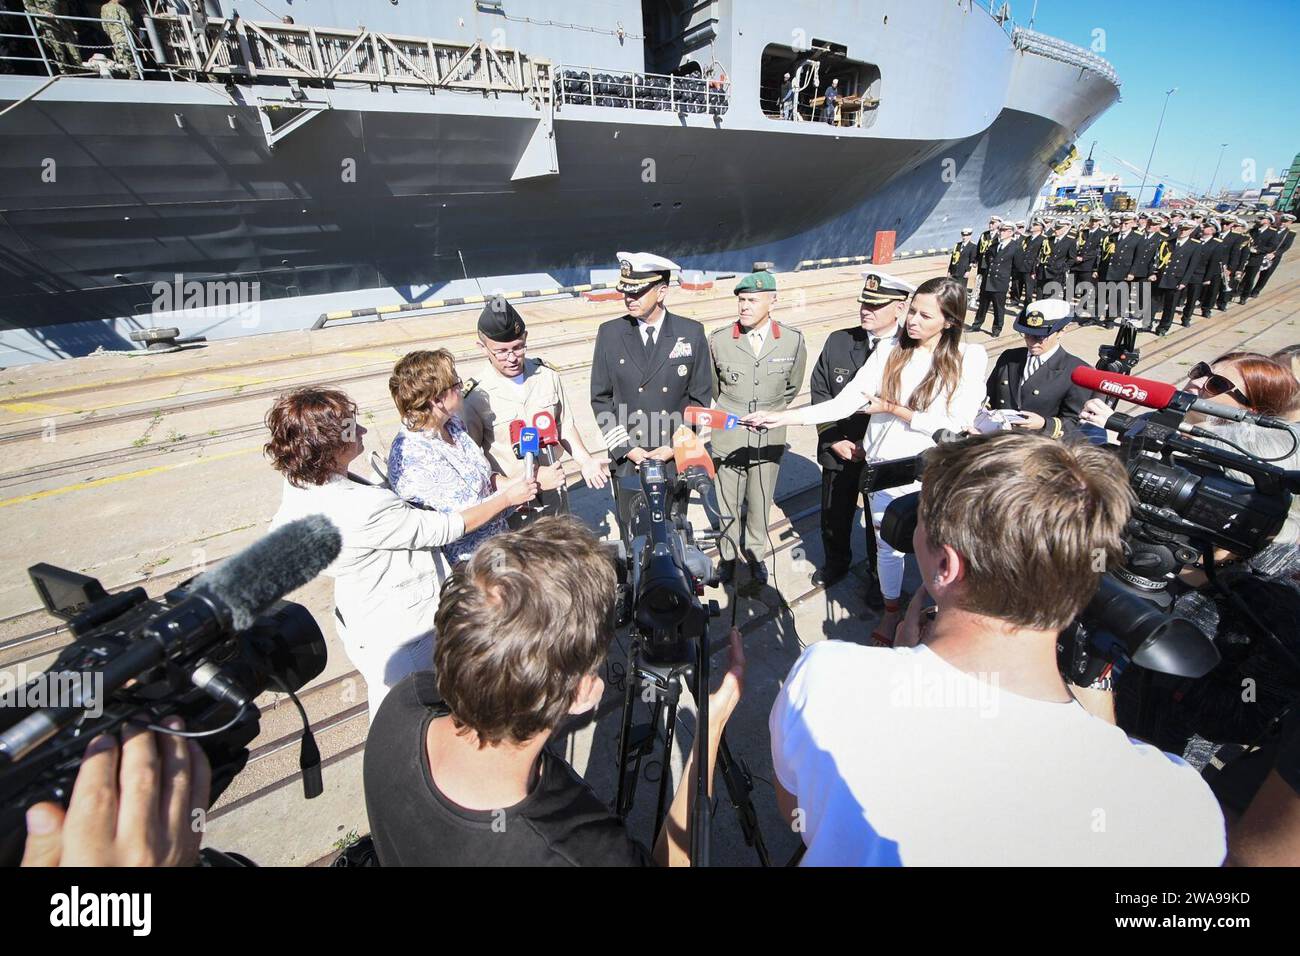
889	437
387	577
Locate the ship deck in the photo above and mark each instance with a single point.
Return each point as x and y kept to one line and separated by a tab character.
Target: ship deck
140	469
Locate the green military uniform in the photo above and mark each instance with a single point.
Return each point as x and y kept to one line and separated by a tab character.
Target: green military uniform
118	25
746	381
58	37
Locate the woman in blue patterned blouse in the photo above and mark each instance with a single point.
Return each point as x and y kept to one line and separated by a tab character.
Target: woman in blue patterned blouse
433	462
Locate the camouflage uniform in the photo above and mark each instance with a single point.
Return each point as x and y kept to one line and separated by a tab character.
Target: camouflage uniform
58	38
119	26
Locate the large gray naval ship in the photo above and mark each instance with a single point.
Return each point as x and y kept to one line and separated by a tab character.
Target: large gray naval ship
379	152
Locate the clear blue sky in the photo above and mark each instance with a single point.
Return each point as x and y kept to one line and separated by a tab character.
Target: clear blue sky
1237	73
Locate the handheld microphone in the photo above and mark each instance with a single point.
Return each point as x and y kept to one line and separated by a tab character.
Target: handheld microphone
689	452
517	426
1161	395
695	465
547	433
713	417
529	448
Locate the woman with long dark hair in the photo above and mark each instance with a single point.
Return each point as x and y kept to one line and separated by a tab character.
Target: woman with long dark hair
924	379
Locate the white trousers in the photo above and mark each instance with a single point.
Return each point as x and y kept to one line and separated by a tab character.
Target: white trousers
383	666
889	562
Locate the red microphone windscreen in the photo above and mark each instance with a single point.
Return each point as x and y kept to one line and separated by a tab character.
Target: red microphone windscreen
547	433
688	450
516	426
1140	391
699	415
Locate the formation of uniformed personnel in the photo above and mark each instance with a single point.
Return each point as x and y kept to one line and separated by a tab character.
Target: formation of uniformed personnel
839	444
58	38
997	279
1175	261
1286	236
1027	261
758	365
649	365
119	26
1035	380
963	256
1121	252
1059	258
517	387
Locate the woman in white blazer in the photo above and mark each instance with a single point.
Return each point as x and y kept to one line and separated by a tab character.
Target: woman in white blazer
389	575
924	379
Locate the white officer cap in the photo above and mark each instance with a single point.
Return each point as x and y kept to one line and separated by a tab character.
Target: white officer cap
637	271
880	288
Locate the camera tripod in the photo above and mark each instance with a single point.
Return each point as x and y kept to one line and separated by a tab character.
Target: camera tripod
661	685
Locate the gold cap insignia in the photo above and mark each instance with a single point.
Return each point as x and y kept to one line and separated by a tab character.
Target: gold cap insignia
1035	320
872	283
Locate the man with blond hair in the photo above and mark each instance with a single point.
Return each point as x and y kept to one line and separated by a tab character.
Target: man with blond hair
969	748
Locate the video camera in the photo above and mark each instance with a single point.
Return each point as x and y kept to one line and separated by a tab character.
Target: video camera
1187	506
204	651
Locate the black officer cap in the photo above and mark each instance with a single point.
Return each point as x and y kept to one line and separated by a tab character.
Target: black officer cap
500	322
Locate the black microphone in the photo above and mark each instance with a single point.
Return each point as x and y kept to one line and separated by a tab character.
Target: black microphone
248	583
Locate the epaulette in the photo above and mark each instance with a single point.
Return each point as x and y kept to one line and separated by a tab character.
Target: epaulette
467	386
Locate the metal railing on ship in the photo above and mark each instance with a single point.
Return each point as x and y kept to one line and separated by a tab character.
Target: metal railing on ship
584	86
1054	49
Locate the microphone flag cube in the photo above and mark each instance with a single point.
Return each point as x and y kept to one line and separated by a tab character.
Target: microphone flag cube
529	441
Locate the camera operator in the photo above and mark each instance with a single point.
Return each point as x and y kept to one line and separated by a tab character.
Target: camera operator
133	804
387	578
970	749
457	768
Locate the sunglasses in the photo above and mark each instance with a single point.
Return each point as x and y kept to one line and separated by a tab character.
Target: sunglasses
1216	385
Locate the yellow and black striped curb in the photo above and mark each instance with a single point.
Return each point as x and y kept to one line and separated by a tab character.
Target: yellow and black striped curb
381	312
856	260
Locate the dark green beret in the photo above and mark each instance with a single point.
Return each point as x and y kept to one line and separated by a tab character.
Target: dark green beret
756	282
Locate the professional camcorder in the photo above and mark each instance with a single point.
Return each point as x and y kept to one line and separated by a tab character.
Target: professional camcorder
203	651
663	574
1187	506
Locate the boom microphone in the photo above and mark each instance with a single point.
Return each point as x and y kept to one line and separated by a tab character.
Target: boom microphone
713	417
1161	395
248	583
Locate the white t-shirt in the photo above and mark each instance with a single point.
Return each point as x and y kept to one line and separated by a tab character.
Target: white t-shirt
898	758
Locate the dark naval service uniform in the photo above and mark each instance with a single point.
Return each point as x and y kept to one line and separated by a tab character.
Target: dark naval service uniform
1264	241
962	258
997	282
1059	259
843	354
1285	238
1046	388
639	394
743	382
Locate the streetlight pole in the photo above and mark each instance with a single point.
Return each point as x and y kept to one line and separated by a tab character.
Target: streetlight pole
1147	171
1210	192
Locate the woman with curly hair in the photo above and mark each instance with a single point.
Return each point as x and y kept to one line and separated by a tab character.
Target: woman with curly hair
389	574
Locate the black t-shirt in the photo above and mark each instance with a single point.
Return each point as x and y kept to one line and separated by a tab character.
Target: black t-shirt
560	823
